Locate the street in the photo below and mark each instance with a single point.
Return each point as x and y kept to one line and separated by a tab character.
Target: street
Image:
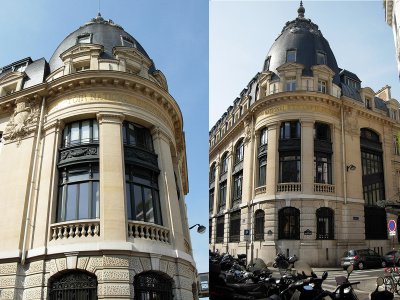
363	290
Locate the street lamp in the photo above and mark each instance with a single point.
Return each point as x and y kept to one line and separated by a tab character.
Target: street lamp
201	228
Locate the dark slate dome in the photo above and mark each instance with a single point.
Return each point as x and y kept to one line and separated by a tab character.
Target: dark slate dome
103	32
303	36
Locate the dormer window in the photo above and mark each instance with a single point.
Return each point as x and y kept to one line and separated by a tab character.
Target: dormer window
394	115
352	83
266	64
290	84
321	58
322	86
82	68
128	43
368	103
291	55
83	39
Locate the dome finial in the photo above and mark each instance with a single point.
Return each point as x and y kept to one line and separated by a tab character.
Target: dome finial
99	14
301	10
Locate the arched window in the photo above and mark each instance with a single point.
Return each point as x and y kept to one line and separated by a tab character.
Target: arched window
239	152
73	285
152	286
234	227
289	224
259	225
325	224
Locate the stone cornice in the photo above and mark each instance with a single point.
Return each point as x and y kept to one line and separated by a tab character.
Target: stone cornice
110	117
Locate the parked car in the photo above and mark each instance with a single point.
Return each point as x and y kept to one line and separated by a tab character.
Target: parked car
362	258
389	258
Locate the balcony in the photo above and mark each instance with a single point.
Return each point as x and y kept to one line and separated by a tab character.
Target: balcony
261	190
289	187
324	188
148	231
76	229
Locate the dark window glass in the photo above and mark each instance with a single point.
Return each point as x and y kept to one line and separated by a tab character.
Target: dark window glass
177	187
80	132
266	64
137	136
289	223
210	231
222	196
322	131
220	229
322	168
212	173
289	167
262	172
375	223
325	224
234	227
211	200
259	225
321	59
78	193
290	84
237	188
142	195
290	130
239	152
224	163
152	286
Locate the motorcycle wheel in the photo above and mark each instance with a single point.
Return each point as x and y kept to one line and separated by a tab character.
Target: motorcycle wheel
389	284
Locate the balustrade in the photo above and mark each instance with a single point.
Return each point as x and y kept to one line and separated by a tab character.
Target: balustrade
289	187
324	188
261	190
148	231
75	229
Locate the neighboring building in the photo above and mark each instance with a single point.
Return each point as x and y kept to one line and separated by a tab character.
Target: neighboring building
204	289
392	15
94	173
303	157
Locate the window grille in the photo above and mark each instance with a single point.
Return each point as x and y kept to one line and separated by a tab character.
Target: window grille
289	223
234	227
325	224
152	286
73	285
259	225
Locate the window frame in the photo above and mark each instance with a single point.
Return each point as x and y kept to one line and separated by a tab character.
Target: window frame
325	223
234	226
239	152
132	140
290	84
259	224
289	54
219	238
319	56
93	134
322	85
289	217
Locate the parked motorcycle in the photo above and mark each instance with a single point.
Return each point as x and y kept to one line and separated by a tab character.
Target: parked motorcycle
381	295
281	257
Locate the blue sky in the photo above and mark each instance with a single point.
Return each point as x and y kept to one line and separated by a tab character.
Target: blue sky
242	32
173	33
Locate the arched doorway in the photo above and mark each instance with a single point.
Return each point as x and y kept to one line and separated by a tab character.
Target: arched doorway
152	286
74	285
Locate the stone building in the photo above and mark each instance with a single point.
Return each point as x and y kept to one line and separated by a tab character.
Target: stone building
392	14
303	157
94	173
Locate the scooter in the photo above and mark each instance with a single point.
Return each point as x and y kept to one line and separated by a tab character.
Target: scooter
281	257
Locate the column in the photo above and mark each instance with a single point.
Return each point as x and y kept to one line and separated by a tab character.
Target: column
248	171
216	186
113	216
272	158
307	155
168	197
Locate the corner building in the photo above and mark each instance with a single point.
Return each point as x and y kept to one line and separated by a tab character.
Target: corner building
94	173
304	157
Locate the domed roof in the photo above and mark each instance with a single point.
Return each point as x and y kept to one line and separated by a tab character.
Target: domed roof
306	39
101	32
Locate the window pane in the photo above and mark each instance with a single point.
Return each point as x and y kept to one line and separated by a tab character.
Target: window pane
95	131
157	209
128	201
95	200
83	200
70	213
148	198
131	133
66	135
78	176
75	133
141	180
85	138
137	194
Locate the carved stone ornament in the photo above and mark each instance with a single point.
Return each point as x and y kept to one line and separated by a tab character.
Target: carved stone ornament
25	114
78	152
351	123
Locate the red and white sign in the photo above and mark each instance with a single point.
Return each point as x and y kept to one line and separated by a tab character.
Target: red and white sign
392	225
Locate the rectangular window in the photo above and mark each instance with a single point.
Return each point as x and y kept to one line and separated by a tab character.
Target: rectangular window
84	39
367	103
237	188
321	59
322	86
127	43
220	229
211	200
394	115
234	227
262	172
290	84
222	196
322	168
289	167
82	68
291	55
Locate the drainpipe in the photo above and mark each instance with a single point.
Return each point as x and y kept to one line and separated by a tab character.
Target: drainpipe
343	157
27	218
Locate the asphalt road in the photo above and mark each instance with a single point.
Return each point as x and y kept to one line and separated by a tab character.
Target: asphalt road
363	290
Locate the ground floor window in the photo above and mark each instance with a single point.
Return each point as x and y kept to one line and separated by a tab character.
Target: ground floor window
152	286
259	225
375	223
220	229
289	223
234	227
325	223
73	285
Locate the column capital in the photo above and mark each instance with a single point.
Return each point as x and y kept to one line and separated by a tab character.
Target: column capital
307	121
158	132
110	117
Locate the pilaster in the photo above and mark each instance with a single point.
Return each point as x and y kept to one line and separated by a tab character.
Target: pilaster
272	158
307	155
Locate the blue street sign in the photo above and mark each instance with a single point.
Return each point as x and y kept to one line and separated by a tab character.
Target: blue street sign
246	232
392	225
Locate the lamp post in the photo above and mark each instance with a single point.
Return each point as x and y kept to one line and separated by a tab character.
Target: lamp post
200	229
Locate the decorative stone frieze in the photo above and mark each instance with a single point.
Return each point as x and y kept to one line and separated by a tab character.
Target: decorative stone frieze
94	263
135	264
116	290
115	261
146	263
115	275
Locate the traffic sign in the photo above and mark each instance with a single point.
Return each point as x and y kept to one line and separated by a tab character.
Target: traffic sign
247	232
392	233
392	225
247	235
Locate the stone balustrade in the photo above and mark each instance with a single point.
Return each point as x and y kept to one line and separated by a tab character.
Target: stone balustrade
289	187
148	231
261	190
75	229
324	188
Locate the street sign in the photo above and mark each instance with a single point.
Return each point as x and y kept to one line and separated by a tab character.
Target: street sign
392	233
247	235
392	225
